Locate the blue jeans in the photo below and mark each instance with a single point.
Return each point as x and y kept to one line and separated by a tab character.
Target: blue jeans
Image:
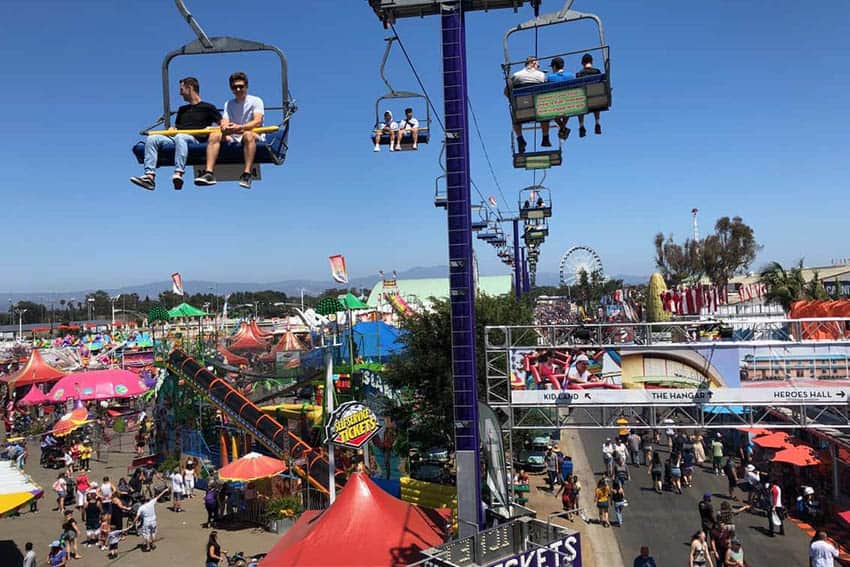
155	143
618	511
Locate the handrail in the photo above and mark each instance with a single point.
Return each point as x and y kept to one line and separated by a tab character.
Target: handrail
204	131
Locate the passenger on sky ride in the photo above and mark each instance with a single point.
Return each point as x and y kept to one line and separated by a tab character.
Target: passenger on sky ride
529	75
195	115
388	126
242	114
587	68
409	125
559	75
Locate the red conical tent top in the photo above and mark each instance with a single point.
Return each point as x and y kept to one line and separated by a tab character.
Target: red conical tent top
364	526
247	342
33	398
230	357
289	342
258	332
243	328
36	371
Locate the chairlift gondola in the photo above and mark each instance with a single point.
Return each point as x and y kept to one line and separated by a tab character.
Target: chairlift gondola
379	135
535	203
230	162
531	105
483	214
441	190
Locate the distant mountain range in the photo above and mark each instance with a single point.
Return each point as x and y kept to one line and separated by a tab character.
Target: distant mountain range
290	287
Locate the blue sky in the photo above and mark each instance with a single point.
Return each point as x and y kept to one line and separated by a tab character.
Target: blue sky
737	108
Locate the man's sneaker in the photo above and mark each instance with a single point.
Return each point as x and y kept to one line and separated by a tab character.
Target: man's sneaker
144	181
546	143
392	147
177	180
207	178
414	146
563	133
582	132
598	129
245	182
377	148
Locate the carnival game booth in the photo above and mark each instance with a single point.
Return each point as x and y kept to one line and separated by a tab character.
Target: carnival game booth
364	526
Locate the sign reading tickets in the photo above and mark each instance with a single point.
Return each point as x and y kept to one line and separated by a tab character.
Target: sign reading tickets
351	425
563	552
568	102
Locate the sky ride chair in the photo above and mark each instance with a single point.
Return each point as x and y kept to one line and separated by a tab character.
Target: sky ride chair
380	138
535	203
230	163
531	105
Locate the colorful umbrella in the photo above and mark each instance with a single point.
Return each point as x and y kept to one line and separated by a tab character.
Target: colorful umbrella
799	456
777	440
98	385
251	467
70	421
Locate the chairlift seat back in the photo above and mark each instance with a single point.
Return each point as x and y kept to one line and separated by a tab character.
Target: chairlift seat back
545	101
271	150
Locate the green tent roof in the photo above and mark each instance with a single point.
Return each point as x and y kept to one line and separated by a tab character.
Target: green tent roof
350	301
186	310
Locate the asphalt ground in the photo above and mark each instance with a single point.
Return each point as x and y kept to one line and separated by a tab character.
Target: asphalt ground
665	522
182	540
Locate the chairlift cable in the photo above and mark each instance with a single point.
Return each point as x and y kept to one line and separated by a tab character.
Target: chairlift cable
484	149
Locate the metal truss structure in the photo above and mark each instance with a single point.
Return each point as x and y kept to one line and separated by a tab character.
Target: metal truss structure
503	342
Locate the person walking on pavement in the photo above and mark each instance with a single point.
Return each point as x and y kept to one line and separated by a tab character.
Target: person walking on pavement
215	553
731	477
634	442
699	450
717	455
656	470
566	494
646	446
618	497
707	515
603	497
608	456
735	555
621	470
821	552
551	460
676	472
700	551
776	514
644	559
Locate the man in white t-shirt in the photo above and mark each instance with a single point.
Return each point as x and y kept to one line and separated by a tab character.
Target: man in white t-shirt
579	373
408	125
176	490
529	75
388	126
821	552
241	115
147	514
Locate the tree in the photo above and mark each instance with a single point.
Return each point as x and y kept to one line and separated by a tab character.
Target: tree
423	372
678	263
729	251
784	286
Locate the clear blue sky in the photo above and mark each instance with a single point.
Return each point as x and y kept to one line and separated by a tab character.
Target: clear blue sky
737	108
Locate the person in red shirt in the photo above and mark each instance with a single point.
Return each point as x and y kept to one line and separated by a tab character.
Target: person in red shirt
777	511
82	488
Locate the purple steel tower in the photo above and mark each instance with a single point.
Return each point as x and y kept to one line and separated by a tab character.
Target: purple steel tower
526	283
518	285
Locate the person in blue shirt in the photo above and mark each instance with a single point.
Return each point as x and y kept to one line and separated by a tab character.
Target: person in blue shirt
559	75
644	559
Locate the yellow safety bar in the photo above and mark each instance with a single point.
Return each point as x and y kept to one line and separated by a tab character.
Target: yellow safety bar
204	131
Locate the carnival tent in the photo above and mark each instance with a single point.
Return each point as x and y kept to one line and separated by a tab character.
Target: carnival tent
258	332
373	340
799	456
350	301
778	440
34	397
247	342
186	310
230	357
98	385
364	526
36	371
289	342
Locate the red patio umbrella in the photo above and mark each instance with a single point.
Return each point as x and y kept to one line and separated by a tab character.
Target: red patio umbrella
251	467
778	440
799	456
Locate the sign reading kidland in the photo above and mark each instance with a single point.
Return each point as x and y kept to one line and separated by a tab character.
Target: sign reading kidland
702	374
352	424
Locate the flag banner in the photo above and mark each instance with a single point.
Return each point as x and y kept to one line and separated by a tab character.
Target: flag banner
338	270
492	200
177	283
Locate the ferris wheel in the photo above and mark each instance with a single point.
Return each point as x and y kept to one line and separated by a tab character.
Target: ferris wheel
577	259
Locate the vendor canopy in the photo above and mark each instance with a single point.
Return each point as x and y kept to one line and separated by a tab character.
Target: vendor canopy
374	340
36	371
186	310
364	526
33	398
98	385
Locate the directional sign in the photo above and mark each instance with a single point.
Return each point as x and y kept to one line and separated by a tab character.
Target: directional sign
684	397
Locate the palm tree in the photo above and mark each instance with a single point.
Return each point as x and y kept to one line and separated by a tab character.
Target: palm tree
784	286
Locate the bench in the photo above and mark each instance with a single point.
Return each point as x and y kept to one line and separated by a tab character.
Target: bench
271	150
545	101
406	138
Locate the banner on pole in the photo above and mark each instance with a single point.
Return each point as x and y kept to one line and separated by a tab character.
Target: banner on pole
338	269
177	283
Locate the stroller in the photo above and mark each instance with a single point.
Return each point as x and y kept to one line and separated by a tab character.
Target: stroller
52	457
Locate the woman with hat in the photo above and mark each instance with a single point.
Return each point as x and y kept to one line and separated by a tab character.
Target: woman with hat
57	556
735	554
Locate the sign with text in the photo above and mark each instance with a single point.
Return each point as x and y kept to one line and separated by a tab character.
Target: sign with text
685	397
352	425
563	552
568	102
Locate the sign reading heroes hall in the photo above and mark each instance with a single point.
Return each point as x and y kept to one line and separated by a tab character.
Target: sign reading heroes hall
352	425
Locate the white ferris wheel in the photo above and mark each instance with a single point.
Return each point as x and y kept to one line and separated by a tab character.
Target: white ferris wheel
576	260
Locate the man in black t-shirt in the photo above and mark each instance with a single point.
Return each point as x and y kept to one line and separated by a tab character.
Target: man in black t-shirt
195	115
587	68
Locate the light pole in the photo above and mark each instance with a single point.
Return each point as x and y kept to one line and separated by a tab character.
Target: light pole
302	298
90	301
113	300
20	313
